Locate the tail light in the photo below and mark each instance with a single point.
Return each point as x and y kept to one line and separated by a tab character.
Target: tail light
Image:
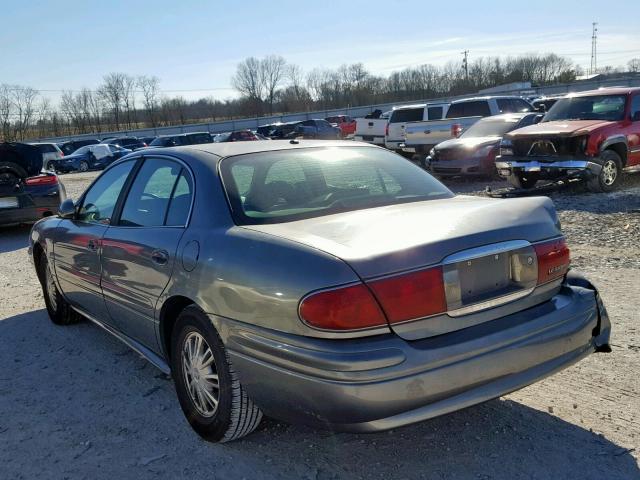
456	130
412	295
553	260
346	308
42	180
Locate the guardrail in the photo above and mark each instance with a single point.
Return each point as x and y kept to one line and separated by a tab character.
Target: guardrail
253	123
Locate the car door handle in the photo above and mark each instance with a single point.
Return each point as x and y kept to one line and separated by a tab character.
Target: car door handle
161	257
92	245
427	132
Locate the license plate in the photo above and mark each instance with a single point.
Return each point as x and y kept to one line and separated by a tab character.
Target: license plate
9	202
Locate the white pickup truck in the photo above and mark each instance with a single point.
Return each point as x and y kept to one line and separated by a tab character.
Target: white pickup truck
406	115
422	136
372	130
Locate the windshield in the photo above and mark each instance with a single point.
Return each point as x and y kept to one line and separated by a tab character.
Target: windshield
596	107
490	128
282	186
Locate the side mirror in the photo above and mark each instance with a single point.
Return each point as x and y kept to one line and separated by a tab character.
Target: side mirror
67	209
636	116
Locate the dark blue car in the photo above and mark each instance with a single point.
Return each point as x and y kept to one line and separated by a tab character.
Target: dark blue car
89	157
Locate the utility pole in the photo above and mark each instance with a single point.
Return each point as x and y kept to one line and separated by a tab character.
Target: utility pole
465	64
594	51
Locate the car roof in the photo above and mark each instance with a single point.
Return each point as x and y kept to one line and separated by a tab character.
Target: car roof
505	117
487	97
605	91
230	149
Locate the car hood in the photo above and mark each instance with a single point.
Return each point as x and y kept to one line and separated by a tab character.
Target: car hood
467	143
383	240
560	127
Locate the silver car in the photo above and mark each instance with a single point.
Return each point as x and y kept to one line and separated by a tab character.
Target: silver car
324	282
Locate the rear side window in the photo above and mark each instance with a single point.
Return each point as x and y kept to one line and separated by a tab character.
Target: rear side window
434	113
180	204
46	148
476	108
148	199
407	115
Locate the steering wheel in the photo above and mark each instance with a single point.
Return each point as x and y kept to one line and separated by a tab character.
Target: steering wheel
91	215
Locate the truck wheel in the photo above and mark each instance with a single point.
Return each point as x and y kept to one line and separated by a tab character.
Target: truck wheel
10	173
518	180
609	177
213	400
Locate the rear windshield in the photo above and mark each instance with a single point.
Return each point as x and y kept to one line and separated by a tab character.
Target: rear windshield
196	138
475	108
283	186
594	107
407	115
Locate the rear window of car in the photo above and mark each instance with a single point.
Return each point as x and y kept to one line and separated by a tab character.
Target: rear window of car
47	148
407	115
197	138
476	108
283	186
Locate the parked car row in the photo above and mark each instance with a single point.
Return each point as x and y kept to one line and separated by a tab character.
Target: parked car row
318	129
592	135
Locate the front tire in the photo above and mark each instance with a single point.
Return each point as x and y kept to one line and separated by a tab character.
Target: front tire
519	181
609	176
212	399
58	309
84	166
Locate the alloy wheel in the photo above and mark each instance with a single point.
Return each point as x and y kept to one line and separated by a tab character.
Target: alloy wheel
51	289
609	172
84	166
200	374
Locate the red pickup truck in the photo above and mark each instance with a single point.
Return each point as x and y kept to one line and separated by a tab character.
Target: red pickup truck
594	135
346	124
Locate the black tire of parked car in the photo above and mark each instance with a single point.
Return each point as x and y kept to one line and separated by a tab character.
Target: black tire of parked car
59	310
235	415
521	182
84	166
609	177
11	173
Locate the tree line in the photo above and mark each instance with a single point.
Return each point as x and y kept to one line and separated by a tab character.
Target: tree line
266	86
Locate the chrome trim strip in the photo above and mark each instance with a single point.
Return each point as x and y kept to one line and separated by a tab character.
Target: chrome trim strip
485	250
494	302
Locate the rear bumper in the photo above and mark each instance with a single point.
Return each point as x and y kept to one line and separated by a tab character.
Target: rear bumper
579	166
33	206
385	382
369	139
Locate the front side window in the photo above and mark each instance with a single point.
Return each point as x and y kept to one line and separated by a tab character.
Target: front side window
635	108
282	186
592	107
100	200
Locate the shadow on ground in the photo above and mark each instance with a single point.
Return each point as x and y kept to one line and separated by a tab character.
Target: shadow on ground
77	403
14	238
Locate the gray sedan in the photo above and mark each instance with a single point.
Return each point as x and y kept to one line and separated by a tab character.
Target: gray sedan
329	283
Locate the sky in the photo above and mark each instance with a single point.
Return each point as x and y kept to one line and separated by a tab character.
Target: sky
194	46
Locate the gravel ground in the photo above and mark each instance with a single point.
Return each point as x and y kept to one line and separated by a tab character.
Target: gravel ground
76	403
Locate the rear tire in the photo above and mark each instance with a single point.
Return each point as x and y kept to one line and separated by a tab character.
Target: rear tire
519	181
58	309
84	166
212	399
609	177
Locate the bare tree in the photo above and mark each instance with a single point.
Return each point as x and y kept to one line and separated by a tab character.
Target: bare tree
150	87
113	92
129	100
248	81
634	65
272	72
5	112
24	99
